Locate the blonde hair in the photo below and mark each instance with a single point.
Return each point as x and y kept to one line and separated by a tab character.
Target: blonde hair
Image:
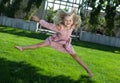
61	14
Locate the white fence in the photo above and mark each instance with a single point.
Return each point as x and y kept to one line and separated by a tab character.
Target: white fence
18	23
101	39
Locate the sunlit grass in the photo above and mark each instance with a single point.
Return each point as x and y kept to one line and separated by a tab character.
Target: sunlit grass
46	65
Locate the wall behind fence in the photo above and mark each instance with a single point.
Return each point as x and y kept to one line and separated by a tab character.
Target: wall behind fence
101	39
18	23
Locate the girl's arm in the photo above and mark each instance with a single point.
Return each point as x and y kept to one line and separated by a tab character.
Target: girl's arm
50	26
47	25
73	12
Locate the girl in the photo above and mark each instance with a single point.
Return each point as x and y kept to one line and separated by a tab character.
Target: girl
64	24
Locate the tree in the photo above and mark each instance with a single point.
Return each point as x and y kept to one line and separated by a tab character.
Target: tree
11	7
110	11
32	6
3	6
95	13
109	7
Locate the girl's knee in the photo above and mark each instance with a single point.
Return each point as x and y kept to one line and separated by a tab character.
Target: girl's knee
73	55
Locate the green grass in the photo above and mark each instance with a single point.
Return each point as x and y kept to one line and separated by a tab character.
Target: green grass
46	65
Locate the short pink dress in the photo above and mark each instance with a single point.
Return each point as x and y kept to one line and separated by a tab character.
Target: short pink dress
61	40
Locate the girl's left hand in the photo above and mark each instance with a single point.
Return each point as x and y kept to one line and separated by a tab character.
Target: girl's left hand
35	18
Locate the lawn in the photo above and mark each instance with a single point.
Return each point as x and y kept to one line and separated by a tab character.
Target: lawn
46	65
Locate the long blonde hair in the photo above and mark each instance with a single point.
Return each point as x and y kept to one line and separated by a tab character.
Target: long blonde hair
61	14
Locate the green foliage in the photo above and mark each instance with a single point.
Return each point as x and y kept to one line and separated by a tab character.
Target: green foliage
95	14
32	6
110	16
50	14
117	21
10	8
13	8
109	7
3	6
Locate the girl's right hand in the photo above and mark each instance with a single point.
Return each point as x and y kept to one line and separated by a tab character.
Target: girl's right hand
35	18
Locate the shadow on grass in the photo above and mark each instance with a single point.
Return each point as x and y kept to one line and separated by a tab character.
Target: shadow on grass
96	46
21	72
24	33
43	36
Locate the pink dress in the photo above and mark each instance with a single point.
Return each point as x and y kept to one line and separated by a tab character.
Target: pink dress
61	40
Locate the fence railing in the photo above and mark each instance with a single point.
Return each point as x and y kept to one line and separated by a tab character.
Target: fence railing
101	39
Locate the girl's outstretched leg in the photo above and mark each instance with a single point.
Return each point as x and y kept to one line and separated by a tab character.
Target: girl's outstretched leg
82	64
21	48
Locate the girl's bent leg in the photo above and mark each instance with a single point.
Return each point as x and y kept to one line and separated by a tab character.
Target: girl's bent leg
39	45
82	64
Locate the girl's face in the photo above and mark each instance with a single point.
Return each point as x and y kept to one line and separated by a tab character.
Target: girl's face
68	21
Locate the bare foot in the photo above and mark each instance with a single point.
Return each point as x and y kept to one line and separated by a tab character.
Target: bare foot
19	48
90	73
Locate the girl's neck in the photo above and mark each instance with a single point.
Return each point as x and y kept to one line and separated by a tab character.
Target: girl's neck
67	27
71	27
